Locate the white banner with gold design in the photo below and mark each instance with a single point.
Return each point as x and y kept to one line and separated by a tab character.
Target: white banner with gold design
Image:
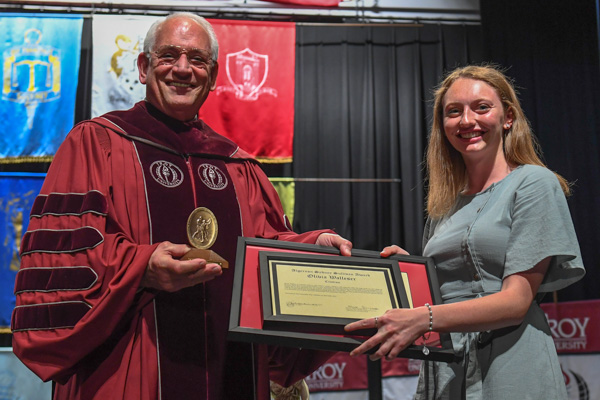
117	41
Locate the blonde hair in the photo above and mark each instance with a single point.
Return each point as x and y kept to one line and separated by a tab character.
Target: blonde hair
446	170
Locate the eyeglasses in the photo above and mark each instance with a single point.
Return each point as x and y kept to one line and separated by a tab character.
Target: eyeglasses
169	55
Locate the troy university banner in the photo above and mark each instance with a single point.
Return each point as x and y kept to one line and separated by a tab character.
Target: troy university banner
575	328
253	103
40	60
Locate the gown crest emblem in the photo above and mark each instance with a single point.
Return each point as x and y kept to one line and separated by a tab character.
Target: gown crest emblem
212	177
166	173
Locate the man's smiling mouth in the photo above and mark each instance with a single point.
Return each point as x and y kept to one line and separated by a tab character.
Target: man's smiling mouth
177	84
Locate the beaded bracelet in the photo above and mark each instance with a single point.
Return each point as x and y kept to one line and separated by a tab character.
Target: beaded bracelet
430	322
428	333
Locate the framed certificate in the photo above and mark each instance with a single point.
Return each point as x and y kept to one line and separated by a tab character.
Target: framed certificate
302	295
321	294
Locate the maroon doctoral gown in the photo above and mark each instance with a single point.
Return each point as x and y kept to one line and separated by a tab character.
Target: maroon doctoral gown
119	185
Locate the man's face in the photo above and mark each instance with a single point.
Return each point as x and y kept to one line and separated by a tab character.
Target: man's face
177	81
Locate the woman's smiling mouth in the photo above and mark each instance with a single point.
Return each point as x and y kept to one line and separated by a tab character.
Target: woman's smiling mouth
470	135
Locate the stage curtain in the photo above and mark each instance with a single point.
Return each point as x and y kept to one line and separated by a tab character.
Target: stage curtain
362	112
552	52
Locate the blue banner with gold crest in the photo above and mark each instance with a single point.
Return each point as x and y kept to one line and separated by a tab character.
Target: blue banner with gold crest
40	69
17	193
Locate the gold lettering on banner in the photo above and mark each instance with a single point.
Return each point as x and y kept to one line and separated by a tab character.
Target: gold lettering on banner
17	222
31	73
12	240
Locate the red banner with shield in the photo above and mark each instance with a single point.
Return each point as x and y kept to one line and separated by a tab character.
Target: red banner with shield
253	103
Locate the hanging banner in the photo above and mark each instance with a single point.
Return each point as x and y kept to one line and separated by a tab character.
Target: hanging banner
253	103
40	59
117	41
17	193
286	189
575	328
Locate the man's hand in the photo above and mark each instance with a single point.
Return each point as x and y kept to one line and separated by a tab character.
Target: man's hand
166	272
391	250
329	239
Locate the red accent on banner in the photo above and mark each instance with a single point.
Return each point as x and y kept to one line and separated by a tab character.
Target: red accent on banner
575	325
253	103
319	3
400	367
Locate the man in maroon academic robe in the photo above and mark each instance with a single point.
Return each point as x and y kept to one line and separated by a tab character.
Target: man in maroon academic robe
105	307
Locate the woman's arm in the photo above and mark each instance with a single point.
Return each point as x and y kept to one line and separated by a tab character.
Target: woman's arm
398	328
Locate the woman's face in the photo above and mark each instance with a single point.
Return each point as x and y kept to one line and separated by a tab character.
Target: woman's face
474	119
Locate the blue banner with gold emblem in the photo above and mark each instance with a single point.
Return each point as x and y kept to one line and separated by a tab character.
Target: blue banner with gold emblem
40	69
17	193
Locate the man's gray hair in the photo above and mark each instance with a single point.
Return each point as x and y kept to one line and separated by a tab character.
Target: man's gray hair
150	39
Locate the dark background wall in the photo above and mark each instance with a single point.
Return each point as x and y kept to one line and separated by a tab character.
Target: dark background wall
363	98
551	50
363	112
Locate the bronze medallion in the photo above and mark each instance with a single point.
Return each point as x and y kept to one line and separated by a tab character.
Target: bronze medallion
202	228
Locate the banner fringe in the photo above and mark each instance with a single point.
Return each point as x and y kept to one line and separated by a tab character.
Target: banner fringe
282	160
26	159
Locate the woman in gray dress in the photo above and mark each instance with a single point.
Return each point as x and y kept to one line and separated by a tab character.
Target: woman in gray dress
500	233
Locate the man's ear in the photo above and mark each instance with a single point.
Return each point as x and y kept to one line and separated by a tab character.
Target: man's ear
142	63
214	72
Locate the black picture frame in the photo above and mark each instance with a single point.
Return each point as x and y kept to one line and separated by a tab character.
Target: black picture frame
246	321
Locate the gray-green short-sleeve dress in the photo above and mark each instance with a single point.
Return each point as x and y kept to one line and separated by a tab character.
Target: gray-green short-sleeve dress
508	228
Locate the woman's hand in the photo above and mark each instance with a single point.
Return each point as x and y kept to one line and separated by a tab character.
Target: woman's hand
396	330
391	250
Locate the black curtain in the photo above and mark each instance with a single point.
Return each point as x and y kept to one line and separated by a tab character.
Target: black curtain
551	50
362	114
